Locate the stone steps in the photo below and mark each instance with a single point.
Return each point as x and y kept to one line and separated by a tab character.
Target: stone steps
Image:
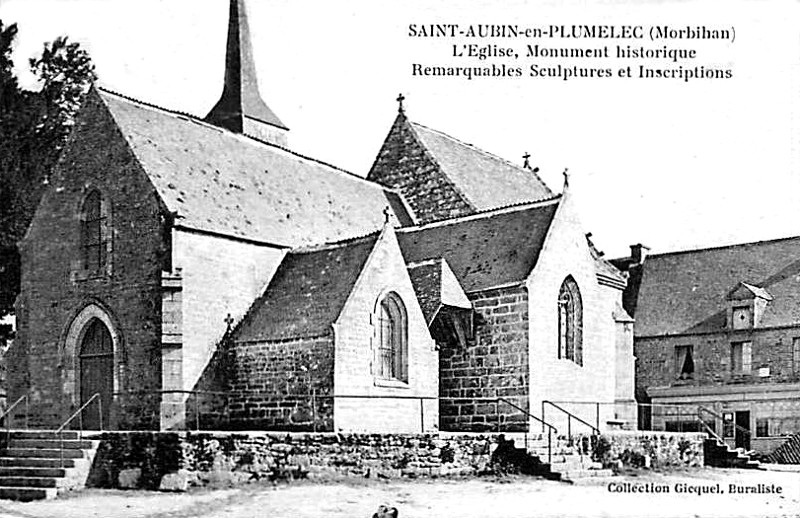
35	462
27	494
33	465
718	454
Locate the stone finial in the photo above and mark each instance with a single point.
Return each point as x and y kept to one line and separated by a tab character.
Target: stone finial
229	321
400	107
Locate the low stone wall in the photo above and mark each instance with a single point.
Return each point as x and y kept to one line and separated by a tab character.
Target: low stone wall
649	449
142	459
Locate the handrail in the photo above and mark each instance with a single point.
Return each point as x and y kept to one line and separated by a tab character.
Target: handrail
60	430
701	409
545	423
550	428
8	412
570	415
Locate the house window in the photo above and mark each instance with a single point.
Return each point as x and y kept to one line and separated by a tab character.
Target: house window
762	428
570	322
684	361
742	317
94	233
392	351
741	355
796	355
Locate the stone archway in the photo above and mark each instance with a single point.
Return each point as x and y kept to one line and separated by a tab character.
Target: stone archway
91	361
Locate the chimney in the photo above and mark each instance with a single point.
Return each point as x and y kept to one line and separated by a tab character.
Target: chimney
240	108
638	253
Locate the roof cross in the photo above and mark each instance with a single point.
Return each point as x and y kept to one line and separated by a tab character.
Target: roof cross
566	176
400	99
526	160
229	321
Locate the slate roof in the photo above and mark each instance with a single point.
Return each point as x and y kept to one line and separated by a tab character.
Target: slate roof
307	292
430	280
485	250
685	292
221	182
486	181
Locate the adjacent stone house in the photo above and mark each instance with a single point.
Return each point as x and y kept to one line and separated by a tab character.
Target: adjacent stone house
185	271
720	328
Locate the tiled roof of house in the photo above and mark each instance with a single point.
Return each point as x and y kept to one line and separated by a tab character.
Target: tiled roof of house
217	181
484	250
485	180
307	292
685	292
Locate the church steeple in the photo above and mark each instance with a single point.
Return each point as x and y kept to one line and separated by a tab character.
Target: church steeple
240	108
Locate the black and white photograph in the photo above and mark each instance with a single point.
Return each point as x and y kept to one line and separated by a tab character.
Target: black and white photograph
399	259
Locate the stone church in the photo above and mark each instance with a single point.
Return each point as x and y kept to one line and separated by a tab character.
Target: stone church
187	271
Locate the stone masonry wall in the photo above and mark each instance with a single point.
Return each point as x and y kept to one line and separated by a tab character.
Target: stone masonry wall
771	348
54	289
242	457
403	164
271	385
495	365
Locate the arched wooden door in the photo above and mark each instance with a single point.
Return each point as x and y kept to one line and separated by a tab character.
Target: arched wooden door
97	372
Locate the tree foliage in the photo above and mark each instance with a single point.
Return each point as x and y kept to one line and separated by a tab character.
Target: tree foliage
34	126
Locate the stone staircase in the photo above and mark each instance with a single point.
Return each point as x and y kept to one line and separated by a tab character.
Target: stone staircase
31	468
719	455
508	458
566	458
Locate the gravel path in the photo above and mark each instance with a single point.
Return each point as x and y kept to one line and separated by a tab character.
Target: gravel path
476	498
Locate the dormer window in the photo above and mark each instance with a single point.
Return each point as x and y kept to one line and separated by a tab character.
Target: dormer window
746	306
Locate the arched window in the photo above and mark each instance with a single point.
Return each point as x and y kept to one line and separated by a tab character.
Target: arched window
570	322
94	233
391	360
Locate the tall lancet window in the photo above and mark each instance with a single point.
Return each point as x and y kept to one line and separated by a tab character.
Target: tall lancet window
94	233
570	322
392	352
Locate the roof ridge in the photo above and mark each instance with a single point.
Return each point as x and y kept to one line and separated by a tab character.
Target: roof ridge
484	152
198	120
307	249
485	213
424	262
723	247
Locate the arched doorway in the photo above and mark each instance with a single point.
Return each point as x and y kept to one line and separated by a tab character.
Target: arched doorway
96	368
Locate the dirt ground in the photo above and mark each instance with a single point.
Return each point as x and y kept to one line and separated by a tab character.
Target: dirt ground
472	498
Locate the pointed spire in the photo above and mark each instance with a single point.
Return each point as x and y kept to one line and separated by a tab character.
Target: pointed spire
240	108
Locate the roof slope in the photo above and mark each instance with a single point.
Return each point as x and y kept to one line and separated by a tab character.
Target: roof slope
221	182
436	286
485	180
484	250
685	292
307	292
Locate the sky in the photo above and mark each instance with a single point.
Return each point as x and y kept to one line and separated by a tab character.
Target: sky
671	164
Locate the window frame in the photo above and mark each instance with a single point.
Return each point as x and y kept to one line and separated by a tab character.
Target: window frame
390	359
680	361
569	306
744	351
95	235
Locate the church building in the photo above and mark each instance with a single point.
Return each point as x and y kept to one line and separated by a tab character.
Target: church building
185	272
